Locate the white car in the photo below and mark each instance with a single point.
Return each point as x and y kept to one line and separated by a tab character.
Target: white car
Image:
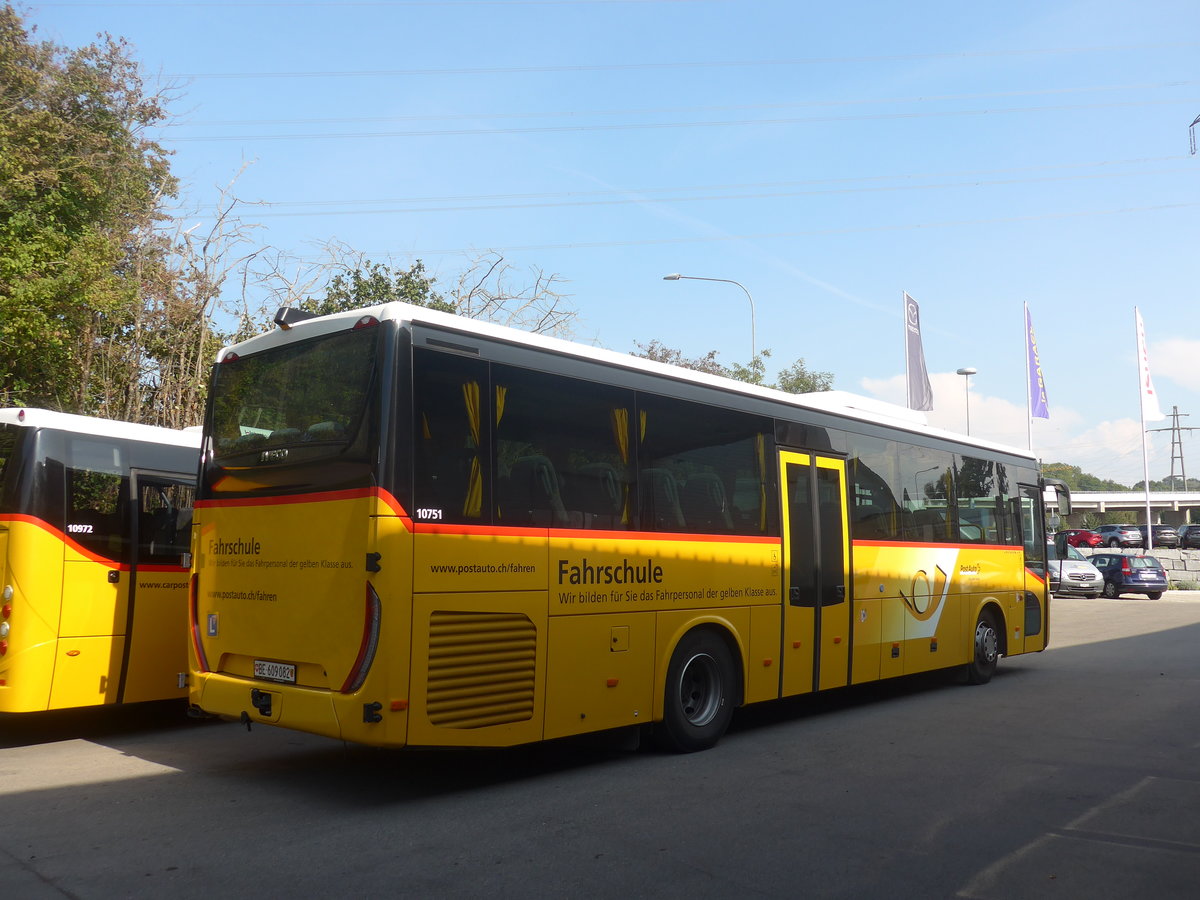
1071	574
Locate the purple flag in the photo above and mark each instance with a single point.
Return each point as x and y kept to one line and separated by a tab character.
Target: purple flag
1039	407
920	392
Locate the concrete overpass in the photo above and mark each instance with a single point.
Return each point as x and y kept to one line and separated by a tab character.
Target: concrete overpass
1166	507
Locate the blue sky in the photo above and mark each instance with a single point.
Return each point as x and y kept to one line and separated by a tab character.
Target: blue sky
826	156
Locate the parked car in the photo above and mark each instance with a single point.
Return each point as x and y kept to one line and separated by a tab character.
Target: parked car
1072	574
1119	536
1189	535
1082	537
1165	536
1129	574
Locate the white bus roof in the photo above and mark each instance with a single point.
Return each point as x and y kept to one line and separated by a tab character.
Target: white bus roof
90	425
840	403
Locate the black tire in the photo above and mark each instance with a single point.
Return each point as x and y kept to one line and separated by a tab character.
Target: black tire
986	654
1110	590
1114	543
1155	595
700	693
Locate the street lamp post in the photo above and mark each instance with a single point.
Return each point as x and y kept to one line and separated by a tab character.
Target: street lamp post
966	372
677	277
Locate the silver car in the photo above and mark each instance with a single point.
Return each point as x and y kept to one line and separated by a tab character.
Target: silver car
1071	574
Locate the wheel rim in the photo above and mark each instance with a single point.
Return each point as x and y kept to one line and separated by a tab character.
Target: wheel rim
700	690
987	642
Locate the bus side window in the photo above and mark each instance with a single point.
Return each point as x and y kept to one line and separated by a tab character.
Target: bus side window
164	522
96	515
562	451
703	469
451	470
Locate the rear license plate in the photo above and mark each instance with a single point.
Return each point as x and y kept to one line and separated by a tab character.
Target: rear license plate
275	671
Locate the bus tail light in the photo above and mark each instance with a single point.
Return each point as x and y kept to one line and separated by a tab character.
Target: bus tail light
370	642
3	647
194	624
366	322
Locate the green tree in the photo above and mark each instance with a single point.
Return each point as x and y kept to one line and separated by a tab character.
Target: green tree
374	283
81	187
795	379
1078	480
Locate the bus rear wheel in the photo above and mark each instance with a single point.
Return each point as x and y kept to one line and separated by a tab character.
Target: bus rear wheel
700	693
986	653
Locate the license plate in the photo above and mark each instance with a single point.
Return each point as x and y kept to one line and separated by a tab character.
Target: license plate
275	671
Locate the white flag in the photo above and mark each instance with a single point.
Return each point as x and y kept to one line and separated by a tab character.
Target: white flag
1150	409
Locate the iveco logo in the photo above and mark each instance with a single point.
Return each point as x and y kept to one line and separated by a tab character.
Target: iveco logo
268	456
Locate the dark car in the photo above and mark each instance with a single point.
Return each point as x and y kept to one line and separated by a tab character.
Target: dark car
1082	537
1130	574
1164	536
1119	536
1189	535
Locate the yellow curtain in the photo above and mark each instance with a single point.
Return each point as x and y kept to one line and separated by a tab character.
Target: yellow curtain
619	416
473	502
501	393
760	452
501	396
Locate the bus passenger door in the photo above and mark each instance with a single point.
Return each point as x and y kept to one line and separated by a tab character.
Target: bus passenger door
816	557
156	626
1027	623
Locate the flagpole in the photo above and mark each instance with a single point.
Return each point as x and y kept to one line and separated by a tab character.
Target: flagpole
907	371
1028	380
1148	543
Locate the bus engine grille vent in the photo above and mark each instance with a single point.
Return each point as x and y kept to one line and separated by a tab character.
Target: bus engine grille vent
482	668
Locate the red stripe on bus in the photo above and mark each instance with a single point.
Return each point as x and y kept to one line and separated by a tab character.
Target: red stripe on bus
66	539
873	543
382	495
586	534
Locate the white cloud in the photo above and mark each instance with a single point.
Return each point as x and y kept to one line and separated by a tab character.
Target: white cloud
1176	359
1110	449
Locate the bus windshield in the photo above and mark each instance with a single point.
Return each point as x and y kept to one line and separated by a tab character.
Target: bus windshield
300	403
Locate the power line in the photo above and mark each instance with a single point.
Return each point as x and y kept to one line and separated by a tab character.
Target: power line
647	126
301	4
957	223
692	64
899	176
686	199
580	114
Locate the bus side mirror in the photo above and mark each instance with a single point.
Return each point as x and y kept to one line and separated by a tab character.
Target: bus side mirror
1056	496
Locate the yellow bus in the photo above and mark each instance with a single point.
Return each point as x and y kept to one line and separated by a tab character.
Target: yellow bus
414	529
95	519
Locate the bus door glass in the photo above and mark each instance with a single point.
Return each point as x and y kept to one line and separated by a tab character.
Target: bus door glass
156	628
816	544
1030	615
95	581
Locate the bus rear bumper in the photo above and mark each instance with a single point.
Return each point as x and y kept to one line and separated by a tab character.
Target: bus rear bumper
313	710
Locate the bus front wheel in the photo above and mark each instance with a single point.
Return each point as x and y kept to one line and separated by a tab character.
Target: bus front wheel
700	693
986	652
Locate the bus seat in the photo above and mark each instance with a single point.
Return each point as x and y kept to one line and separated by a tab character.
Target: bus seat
531	494
325	431
594	491
660	500
702	500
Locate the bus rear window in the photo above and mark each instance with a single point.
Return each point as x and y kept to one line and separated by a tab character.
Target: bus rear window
302	402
